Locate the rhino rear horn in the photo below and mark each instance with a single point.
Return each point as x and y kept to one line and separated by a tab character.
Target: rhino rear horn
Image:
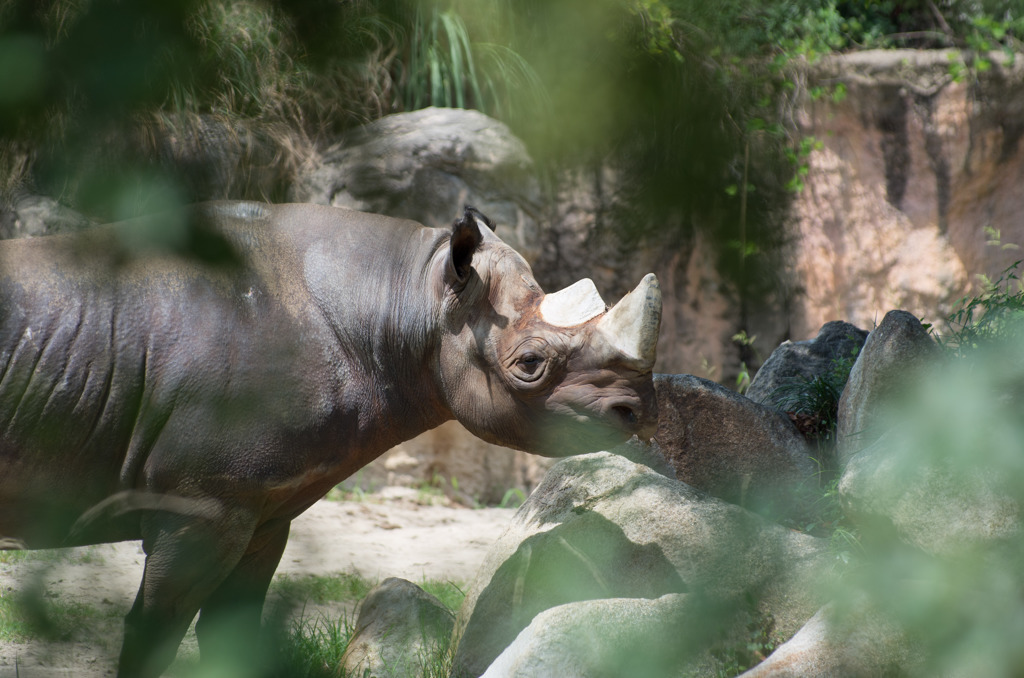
631	327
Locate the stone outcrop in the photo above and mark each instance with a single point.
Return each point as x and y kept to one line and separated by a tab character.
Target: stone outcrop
837	341
924	501
849	641
733	448
915	165
607	554
601	527
635	637
398	623
425	165
886	369
938	472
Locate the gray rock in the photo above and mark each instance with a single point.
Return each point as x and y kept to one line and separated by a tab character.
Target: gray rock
398	624
841	643
734	448
425	165
893	356
602	527
36	215
805	360
938	508
633	637
937	501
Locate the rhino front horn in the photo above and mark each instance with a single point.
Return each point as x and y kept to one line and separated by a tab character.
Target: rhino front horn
631	326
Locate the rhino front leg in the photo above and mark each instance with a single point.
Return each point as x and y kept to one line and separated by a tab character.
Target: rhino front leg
187	559
229	622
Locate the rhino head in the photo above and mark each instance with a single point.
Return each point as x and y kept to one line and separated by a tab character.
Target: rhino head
554	374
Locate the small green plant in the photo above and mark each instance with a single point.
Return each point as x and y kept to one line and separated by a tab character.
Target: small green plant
441	68
813	403
995	314
15	556
799	158
445	66
12	625
513	498
25	615
708	369
749	650
431	492
746	344
831	521
743	379
450	593
314	647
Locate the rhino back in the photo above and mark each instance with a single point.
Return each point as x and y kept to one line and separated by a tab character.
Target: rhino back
170	376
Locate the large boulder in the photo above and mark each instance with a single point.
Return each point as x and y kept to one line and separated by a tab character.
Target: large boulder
733	448
887	368
946	476
634	637
836	342
941	508
841	641
937	501
398	625
603	527
425	165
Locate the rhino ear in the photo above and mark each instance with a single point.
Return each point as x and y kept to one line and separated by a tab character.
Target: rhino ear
465	240
479	216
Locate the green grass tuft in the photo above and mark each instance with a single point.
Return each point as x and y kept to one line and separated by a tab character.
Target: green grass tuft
321	589
450	593
994	315
28	615
816	399
313	647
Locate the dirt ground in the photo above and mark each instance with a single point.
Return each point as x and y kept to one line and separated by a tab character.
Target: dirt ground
387	535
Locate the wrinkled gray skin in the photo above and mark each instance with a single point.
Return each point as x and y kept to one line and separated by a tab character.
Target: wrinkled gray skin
202	408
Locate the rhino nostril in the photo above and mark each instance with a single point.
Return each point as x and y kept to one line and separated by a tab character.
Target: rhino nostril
626	414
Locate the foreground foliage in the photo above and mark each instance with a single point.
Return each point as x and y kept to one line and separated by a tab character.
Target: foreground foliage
93	93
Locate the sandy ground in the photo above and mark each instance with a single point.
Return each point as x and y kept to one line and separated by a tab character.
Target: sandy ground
390	535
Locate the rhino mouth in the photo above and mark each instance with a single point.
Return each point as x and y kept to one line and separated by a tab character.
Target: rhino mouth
631	416
626	414
590	429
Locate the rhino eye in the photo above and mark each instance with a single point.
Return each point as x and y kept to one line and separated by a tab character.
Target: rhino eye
529	366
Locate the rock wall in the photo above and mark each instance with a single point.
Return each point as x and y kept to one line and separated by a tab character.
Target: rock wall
582	239
919	172
914	191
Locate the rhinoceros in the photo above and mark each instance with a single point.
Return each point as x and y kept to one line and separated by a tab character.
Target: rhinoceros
201	407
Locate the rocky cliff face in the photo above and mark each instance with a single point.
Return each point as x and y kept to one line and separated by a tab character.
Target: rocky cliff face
916	189
918	175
